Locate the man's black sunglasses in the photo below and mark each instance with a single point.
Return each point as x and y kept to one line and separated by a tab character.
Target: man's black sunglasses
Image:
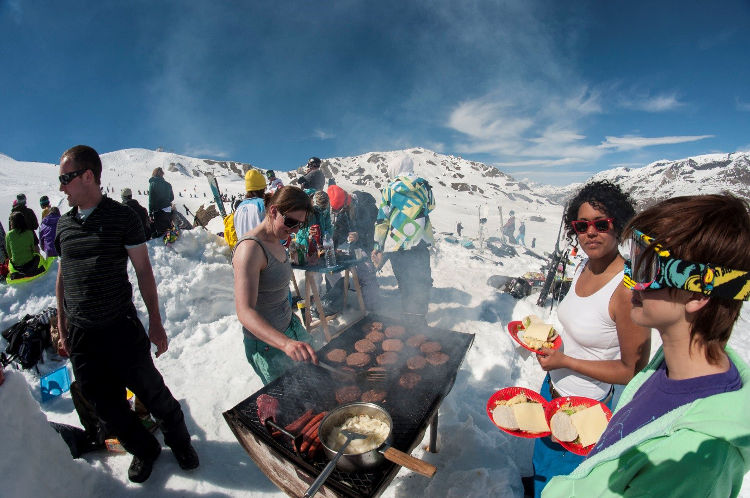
291	223
66	178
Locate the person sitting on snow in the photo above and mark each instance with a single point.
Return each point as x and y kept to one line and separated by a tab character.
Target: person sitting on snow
19	206
273	183
314	178
127	199
47	231
22	246
44	204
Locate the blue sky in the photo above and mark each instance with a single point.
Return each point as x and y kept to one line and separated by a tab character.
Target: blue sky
546	90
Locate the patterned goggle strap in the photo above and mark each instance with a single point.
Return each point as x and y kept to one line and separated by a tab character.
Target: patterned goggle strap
710	280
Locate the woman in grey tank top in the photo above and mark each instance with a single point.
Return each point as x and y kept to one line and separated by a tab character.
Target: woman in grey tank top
274	337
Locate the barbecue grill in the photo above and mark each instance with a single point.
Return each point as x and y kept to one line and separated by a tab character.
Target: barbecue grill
310	387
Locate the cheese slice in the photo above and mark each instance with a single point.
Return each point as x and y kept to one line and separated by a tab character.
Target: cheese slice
538	331
590	424
530	417
528	320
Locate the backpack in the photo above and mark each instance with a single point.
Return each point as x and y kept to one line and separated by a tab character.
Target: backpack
230	234
26	340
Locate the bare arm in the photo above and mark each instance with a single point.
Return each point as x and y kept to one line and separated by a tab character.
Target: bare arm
147	285
635	348
62	321
248	261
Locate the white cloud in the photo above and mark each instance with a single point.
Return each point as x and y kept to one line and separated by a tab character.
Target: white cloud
544	163
204	151
743	106
630	142
323	135
655	103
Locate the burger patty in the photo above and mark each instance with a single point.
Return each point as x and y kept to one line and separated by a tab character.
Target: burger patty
387	358
336	355
375	336
358	359
364	346
377	326
416	362
395	331
373	396
437	358
409	380
393	345
430	347
416	340
347	394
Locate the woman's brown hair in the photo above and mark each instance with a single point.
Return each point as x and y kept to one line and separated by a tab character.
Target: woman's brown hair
710	229
288	199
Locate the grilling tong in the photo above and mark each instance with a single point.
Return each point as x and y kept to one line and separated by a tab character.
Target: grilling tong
366	376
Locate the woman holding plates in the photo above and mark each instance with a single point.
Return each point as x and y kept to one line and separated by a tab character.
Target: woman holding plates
602	345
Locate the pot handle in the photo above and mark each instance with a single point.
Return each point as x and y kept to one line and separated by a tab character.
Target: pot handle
410	462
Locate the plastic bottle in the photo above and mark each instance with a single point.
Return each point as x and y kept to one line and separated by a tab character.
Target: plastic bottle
330	251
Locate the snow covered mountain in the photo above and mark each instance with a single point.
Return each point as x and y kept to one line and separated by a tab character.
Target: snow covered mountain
705	174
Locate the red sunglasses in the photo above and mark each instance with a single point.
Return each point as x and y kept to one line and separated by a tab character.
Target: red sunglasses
601	225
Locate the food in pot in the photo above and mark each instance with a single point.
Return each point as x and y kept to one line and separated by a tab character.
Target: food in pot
387	358
395	331
373	396
416	340
416	362
437	358
364	346
430	347
375	336
375	429
358	359
336	355
393	345
347	394
409	380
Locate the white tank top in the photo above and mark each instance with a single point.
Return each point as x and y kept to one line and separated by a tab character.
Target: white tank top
589	333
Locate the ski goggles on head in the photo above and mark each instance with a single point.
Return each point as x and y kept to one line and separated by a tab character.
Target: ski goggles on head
646	270
602	225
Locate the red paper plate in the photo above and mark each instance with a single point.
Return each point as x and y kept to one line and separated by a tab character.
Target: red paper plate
509	392
554	405
514	327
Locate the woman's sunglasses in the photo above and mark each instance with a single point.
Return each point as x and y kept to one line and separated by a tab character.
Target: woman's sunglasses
291	223
602	225
651	267
66	178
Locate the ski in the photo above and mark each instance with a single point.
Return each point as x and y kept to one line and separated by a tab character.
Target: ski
214	184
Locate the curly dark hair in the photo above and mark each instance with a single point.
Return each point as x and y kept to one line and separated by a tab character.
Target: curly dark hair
604	196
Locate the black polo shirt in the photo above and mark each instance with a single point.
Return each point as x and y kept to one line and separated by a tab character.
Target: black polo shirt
94	261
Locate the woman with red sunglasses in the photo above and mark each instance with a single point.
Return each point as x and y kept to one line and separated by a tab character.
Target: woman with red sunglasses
601	344
274	337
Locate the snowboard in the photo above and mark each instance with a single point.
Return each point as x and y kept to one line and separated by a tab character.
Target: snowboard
214	184
45	262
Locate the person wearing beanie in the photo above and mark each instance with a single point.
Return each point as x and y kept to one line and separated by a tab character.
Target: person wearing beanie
403	234
160	197
273	183
314	178
127	199
354	223
251	211
20	207
47	230
44	204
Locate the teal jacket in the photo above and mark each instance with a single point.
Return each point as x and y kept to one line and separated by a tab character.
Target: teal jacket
404	215
320	217
160	194
699	449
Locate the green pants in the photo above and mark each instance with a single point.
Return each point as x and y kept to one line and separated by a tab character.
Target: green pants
268	362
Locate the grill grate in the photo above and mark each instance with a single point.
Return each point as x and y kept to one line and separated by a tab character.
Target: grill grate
310	387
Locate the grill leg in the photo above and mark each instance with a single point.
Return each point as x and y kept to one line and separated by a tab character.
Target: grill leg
433	433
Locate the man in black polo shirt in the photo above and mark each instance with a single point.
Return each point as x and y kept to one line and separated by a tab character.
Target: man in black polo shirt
108	346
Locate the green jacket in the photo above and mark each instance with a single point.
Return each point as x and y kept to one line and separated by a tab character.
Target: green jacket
20	246
403	219
160	194
699	449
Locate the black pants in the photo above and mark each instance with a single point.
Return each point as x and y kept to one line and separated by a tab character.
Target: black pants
414	276
162	222
116	354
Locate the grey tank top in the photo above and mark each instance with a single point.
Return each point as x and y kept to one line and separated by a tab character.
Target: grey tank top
273	290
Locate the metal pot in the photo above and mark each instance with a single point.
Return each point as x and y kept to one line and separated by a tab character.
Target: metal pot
357	462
